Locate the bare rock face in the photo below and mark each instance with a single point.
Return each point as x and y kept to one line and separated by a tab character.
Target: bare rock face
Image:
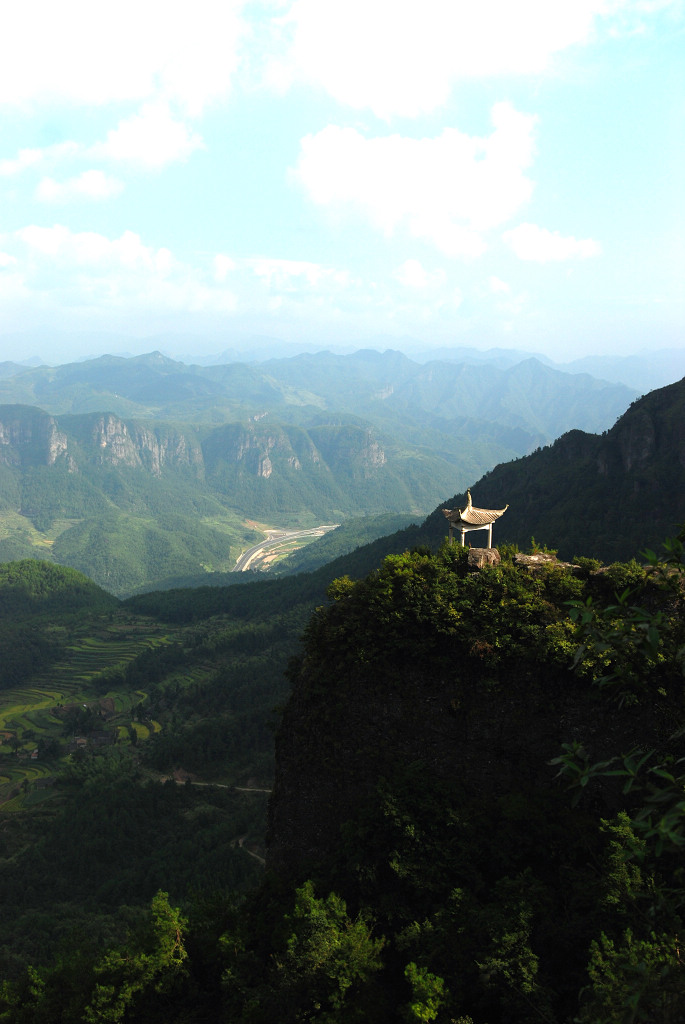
138	446
56	443
479	557
540	560
372	455
30	437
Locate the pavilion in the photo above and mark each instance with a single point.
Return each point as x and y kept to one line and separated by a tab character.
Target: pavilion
471	518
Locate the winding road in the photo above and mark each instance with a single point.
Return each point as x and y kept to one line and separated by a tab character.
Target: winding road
266	549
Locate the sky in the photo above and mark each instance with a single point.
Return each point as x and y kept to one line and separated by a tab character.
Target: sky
334	174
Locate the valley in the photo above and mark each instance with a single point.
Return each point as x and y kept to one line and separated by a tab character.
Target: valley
145	472
278	544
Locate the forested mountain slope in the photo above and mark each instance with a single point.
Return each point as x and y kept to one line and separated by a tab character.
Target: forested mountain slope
101	709
416	780
477	817
608	496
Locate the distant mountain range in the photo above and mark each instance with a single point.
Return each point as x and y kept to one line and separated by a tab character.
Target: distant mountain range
644	371
138	469
386	389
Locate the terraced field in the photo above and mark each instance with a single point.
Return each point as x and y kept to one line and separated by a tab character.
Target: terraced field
36	710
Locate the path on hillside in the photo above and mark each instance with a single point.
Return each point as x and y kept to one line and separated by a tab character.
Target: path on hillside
267	549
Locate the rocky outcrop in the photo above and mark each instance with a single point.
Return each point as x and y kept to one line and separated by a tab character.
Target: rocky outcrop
480	557
260	448
349	448
152	448
30	437
478	712
541	560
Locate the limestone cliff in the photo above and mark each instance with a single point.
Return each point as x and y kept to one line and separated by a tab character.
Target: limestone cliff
465	675
133	444
31	437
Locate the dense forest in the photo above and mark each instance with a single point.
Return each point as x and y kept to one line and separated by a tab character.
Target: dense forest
476	811
477	815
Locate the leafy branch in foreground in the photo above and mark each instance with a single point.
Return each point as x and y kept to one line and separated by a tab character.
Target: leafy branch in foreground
635	969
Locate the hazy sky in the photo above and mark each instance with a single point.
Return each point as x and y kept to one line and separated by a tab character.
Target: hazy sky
468	173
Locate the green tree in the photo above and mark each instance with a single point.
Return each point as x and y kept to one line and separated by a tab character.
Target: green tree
149	962
427	994
635	970
328	955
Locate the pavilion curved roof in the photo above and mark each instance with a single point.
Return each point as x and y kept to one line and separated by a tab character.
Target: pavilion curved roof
473	516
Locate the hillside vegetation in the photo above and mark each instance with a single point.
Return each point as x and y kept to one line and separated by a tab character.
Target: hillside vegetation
477	810
605	496
131	505
477	814
99	707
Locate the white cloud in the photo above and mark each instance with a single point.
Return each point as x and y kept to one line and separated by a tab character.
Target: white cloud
24	158
66	278
447	190
54	266
397	57
36	158
412	274
223	266
501	297
91	53
291	275
394	57
151	139
535	244
498	286
88	271
92	184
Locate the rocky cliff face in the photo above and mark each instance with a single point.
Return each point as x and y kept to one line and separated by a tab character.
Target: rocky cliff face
334	748
130	444
30	437
462	681
329	469
258	448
